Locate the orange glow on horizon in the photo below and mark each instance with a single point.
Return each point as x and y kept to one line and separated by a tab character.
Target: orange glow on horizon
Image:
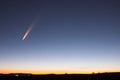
5	71
40	71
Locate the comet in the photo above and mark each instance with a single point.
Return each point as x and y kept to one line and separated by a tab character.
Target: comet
28	31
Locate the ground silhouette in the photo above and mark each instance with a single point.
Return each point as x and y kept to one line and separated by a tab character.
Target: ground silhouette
98	76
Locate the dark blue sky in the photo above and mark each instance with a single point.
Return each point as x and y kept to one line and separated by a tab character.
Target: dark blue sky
72	35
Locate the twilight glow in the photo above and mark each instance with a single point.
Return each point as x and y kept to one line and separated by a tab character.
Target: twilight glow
71	36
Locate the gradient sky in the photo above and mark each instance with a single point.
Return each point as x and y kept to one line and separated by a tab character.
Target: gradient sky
73	36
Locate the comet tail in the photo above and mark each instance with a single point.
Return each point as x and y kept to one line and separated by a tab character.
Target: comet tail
27	32
29	29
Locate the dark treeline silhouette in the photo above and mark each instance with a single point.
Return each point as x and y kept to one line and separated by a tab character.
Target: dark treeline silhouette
99	76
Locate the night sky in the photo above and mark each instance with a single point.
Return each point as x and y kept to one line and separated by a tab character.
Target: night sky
67	36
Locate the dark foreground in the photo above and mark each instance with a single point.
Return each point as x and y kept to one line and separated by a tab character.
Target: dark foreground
101	76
